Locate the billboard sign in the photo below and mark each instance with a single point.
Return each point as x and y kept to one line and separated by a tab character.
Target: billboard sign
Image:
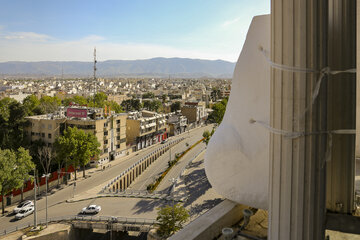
76	112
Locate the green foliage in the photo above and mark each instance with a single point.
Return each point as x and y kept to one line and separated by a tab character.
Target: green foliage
48	104
76	147
12	124
31	104
131	105
207	135
218	112
215	94
175	106
114	106
154	105
14	169
163	98
98	100
79	100
148	95
171	219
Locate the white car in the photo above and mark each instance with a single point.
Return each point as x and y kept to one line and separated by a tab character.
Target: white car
91	209
24	212
22	206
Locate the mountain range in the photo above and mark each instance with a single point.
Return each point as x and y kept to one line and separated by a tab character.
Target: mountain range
154	67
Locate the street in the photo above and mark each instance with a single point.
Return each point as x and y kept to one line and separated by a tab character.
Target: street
115	206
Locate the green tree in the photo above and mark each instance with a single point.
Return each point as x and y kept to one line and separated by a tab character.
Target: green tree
88	146
49	104
76	147
79	100
98	100
14	169
114	106
65	147
131	105
148	95
175	106
154	105
12	124
171	219
218	111
163	98
207	135
31	104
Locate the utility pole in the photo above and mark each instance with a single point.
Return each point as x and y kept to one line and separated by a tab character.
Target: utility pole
46	197
35	198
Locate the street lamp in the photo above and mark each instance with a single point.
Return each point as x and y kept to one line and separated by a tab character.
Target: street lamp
46	196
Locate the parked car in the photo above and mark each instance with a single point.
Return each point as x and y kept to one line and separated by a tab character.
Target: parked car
23	205
91	209
25	212
163	141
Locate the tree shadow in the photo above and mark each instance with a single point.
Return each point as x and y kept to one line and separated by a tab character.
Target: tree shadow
195	164
196	185
204	207
149	205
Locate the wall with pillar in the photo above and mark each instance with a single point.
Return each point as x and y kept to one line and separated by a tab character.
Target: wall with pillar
123	181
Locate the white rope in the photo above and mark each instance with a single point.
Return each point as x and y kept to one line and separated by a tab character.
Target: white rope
292	135
323	72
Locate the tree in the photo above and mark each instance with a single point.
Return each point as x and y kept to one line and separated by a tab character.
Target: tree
48	105
163	98
175	106
12	124
218	112
31	104
98	100
88	146
14	168
114	106
171	219
154	105
65	148
79	100
76	147
131	105
207	135
148	95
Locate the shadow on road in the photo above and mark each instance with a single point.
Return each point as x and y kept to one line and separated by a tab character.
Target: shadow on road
149	205
207	205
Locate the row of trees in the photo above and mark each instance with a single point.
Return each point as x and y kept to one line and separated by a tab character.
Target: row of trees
217	115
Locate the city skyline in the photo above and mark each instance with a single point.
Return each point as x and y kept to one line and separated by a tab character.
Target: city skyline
67	31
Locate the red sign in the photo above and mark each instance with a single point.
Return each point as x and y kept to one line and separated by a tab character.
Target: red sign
75	112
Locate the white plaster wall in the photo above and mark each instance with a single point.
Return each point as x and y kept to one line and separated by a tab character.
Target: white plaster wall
237	157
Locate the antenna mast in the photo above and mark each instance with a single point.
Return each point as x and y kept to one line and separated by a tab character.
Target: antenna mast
94	74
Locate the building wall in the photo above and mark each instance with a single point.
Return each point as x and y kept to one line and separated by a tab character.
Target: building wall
190	113
132	130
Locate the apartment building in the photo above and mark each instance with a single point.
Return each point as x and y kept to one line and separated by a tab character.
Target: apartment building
109	129
145	128
177	124
194	112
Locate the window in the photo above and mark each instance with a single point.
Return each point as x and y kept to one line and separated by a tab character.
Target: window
42	125
117	146
106	142
49	135
118	138
105	150
32	133
105	125
118	129
105	133
49	126
43	135
118	121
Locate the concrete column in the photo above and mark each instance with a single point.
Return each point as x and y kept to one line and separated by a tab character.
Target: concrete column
297	171
121	185
342	105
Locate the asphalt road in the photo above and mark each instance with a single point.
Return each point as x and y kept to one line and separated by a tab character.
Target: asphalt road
124	207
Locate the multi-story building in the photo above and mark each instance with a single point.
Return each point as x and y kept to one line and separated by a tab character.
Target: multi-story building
177	124
194	112
109	129
145	128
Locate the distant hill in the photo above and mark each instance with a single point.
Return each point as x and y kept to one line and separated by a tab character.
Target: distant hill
155	67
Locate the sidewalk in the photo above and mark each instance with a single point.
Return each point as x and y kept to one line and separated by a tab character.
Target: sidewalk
195	189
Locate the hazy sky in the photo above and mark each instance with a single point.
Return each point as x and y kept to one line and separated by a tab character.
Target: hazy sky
68	30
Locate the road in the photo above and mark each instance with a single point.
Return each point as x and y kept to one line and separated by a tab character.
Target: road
125	207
